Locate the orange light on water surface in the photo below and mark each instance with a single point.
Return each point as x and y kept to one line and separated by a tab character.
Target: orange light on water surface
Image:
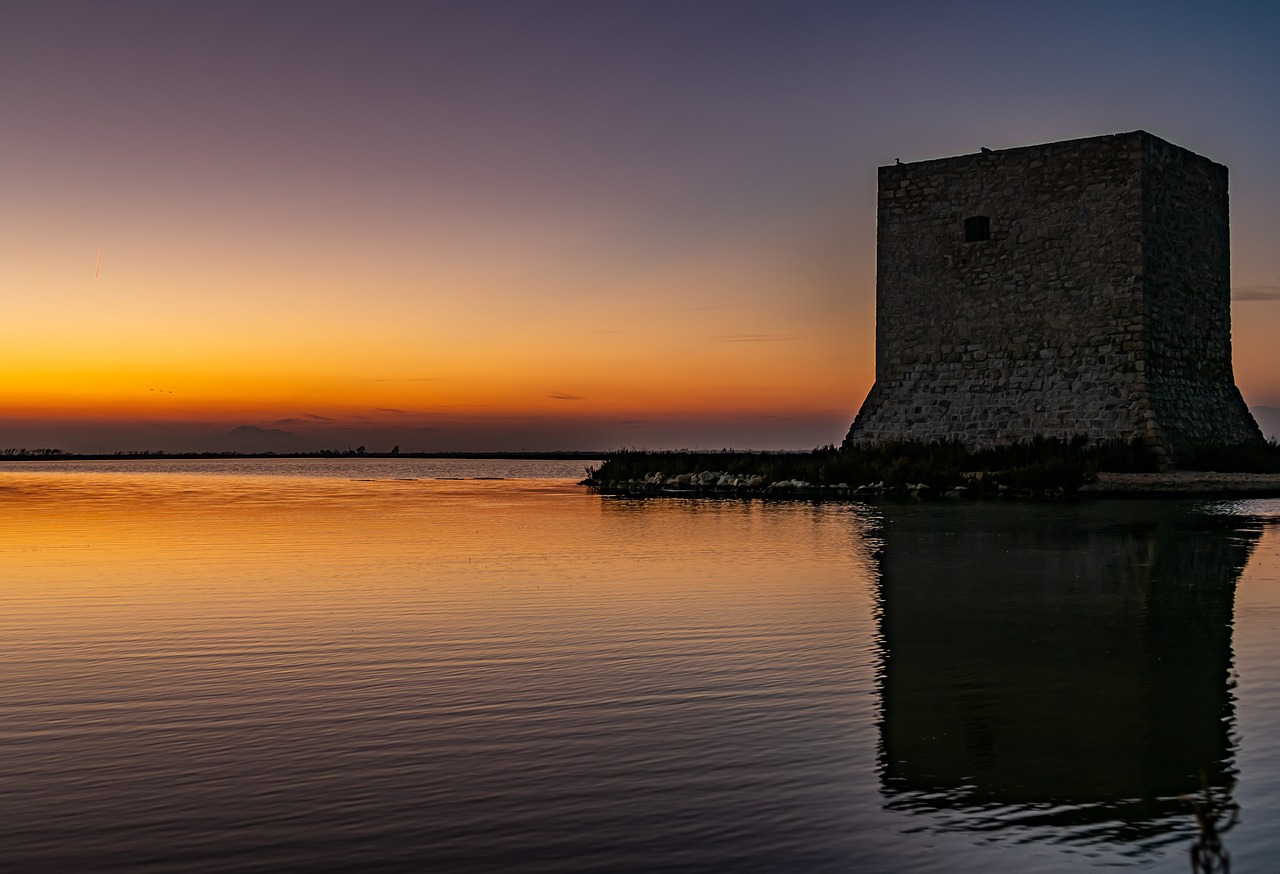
109	553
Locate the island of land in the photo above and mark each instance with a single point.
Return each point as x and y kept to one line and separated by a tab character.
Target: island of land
1038	468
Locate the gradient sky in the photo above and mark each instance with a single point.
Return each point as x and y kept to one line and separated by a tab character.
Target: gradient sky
505	225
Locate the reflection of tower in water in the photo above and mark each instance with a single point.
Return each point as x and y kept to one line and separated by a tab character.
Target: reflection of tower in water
1062	666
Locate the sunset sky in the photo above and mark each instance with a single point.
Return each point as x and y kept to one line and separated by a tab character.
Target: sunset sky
539	225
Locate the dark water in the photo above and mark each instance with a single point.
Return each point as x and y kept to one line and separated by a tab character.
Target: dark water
310	666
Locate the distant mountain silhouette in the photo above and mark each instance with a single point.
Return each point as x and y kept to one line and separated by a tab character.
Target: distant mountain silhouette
249	438
1268	419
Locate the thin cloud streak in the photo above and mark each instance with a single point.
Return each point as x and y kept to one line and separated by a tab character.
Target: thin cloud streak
304	419
753	338
1256	292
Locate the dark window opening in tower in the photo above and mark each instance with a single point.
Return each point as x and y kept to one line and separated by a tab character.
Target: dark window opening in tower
977	228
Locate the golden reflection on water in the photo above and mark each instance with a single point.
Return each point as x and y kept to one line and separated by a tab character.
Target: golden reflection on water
78	538
219	672
103	567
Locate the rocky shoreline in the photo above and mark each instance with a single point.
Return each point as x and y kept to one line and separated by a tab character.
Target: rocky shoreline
1173	484
722	484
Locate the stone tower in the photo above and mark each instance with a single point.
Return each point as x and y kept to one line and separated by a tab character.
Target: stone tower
1080	287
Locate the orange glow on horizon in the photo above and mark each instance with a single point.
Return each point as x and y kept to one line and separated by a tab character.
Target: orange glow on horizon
602	375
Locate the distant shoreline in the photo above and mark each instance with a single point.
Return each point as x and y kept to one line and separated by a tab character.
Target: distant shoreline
319	456
1171	484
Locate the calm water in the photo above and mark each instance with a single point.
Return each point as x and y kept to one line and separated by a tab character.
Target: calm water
392	665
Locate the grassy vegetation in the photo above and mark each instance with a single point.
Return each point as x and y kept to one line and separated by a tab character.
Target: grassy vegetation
1250	458
1034	466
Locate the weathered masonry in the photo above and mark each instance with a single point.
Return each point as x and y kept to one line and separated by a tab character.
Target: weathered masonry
1080	287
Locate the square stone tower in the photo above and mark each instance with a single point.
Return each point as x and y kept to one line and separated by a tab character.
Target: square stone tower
1080	287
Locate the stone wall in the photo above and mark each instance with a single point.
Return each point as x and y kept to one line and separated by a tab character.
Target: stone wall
1099	304
1186	279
